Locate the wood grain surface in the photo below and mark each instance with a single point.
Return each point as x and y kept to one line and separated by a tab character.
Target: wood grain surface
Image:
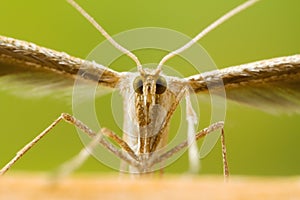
39	186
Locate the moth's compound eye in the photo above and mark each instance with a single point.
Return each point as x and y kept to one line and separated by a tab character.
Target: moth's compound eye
161	85
138	85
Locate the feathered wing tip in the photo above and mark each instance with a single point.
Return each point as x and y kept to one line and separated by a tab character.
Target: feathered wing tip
283	97
271	85
33	71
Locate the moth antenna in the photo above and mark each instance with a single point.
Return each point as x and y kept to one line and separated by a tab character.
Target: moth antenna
106	35
212	26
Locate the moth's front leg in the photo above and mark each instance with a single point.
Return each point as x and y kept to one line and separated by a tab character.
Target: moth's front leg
77	123
71	165
211	128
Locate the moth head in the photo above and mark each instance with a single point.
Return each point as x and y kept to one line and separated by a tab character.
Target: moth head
149	84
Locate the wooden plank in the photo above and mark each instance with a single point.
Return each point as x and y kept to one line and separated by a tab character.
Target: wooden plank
37	186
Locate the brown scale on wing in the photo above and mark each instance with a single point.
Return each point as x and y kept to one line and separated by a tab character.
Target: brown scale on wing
20	57
272	85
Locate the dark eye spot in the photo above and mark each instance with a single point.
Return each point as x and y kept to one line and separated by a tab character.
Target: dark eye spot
161	85
138	85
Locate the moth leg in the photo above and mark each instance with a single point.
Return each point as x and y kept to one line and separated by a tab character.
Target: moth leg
191	136
184	144
224	155
72	120
28	146
110	134
123	167
74	163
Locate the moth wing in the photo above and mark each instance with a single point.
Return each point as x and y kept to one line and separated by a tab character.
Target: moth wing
31	70
272	85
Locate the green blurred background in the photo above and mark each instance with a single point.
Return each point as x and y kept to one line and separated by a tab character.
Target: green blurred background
258	143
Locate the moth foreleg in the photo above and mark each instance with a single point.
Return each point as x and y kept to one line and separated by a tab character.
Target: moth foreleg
72	120
211	128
